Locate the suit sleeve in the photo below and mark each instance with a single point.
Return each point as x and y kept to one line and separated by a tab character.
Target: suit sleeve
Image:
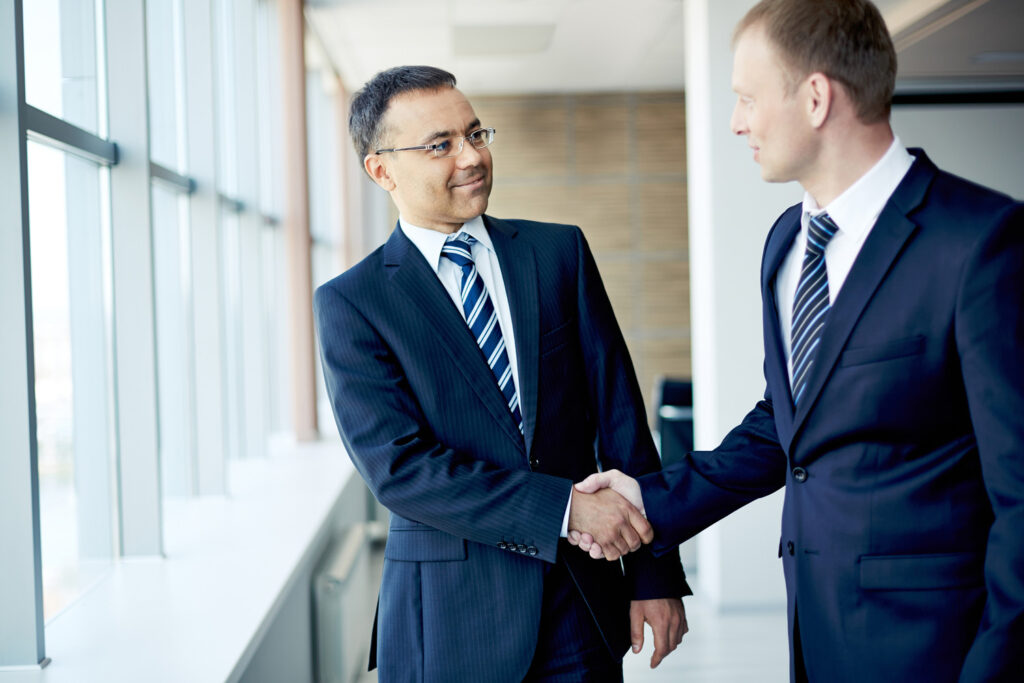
691	495
990	341
402	462
624	441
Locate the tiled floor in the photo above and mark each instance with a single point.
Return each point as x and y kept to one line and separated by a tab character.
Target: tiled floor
734	647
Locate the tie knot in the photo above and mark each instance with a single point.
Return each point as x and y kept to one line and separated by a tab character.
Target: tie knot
459	249
819	232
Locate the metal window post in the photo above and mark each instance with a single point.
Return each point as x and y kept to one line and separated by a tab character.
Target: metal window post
22	642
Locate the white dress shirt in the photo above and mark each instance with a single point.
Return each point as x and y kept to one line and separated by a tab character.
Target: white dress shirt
854	212
430	242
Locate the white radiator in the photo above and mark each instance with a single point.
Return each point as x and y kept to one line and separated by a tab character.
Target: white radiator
345	598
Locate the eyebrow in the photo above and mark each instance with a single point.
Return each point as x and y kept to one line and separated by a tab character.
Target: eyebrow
473	125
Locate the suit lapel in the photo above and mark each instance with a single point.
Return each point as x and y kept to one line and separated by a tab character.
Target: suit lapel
881	249
519	271
410	273
776	369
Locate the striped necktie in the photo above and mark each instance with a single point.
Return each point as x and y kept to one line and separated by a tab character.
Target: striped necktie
811	303
483	319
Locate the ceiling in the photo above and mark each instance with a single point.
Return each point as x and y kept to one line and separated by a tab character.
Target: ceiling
538	46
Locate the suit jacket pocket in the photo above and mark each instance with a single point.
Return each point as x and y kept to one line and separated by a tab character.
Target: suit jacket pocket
555	339
921	572
424	545
909	346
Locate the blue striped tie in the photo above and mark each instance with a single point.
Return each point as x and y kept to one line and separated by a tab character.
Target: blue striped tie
483	320
810	305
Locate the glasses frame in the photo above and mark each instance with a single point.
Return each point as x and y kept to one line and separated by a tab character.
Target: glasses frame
455	150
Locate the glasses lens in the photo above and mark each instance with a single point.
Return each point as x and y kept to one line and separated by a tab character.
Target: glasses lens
482	137
447	148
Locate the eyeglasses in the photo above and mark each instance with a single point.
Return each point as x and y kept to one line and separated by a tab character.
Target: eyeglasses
449	147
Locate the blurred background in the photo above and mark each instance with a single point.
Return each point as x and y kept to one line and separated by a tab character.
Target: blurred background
175	503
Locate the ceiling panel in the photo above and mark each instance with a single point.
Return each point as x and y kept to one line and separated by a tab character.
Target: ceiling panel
538	46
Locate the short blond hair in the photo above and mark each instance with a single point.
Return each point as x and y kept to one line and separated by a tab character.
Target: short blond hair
846	40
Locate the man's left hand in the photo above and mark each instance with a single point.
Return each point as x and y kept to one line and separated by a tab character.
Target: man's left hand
667	618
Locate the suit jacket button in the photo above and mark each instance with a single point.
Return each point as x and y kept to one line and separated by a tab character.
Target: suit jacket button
799	474
534	463
790	548
502	545
531	551
521	548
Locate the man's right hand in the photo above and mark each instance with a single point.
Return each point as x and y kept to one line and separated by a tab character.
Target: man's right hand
613	480
616	525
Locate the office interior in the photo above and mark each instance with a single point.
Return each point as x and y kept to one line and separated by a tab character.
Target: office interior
175	502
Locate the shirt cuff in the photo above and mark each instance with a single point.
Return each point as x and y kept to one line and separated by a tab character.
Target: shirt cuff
565	518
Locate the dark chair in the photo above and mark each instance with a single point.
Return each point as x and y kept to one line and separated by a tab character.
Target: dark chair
675	418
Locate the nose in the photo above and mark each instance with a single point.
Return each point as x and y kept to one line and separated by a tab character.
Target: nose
469	155
736	123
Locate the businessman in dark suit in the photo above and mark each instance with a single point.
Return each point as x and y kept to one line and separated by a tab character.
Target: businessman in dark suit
476	370
893	306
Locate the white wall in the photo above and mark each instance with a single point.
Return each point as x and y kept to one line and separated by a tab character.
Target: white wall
983	143
730	212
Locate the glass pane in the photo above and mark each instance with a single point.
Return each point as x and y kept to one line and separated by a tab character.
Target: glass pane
172	272
233	351
325	187
324	267
166	87
268	72
253	357
61	60
224	75
275	299
69	244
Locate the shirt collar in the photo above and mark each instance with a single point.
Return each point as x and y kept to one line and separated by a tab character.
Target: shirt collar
857	208
430	242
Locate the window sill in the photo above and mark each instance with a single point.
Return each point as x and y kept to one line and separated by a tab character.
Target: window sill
199	613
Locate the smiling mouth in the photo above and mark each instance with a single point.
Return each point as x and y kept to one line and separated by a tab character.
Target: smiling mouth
472	184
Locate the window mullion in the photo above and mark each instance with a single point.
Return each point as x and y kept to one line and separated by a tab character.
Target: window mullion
22	643
134	325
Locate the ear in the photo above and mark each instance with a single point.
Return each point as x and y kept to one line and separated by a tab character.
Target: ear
820	96
378	171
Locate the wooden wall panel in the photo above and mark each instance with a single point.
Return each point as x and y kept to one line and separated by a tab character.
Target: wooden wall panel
614	164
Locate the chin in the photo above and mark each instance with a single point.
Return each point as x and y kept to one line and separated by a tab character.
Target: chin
771	175
476	207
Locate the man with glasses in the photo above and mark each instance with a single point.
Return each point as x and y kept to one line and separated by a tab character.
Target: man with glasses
476	371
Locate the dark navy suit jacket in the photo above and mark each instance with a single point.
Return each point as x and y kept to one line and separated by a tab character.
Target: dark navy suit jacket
903	524
476	507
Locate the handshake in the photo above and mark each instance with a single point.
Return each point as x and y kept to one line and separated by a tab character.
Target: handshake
606	516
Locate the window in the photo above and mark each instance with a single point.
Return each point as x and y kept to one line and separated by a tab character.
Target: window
71	315
172	274
142	282
62	60
172	264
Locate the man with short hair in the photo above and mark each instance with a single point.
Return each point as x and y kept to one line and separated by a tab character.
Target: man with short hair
476	370
893	306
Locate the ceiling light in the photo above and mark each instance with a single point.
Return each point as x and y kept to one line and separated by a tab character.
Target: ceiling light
507	39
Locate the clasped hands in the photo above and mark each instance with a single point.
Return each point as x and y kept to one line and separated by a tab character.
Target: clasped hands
606	517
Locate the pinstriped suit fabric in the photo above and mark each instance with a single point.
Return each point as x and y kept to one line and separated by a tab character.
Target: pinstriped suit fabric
429	430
